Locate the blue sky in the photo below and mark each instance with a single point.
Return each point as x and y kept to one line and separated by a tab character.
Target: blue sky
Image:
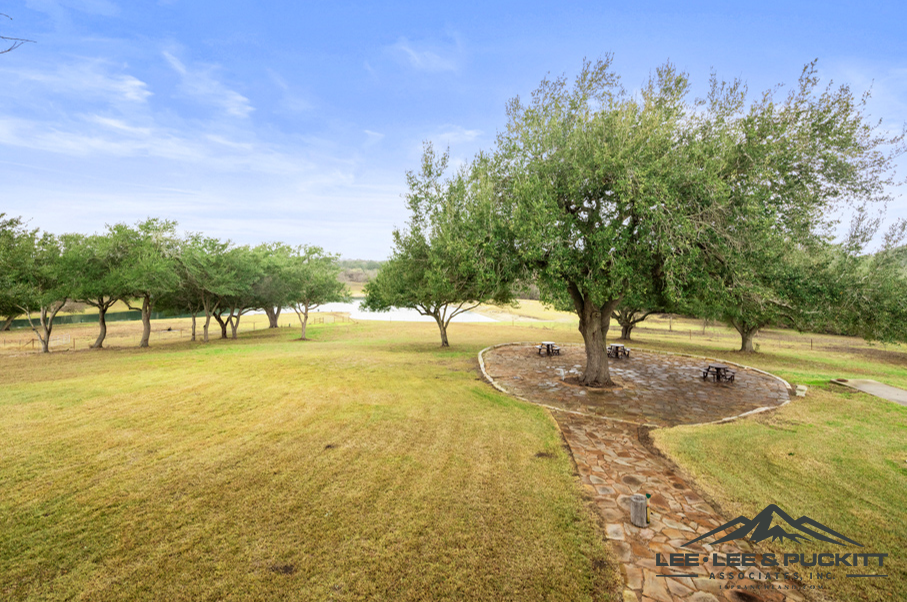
297	121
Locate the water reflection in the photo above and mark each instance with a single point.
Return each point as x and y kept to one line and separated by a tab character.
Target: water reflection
394	315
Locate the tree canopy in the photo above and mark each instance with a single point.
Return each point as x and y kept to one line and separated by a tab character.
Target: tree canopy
454	253
611	193
149	266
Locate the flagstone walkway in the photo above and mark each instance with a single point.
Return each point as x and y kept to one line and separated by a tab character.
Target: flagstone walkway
603	429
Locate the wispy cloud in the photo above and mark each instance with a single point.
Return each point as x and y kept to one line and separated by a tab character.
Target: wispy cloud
290	99
200	84
86	79
425	58
455	134
59	9
373	138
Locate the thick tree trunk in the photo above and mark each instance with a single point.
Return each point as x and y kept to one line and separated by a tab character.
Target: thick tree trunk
746	341
625	330
146	321
273	314
207	324
7	323
193	326
747	332
593	325
102	321
234	326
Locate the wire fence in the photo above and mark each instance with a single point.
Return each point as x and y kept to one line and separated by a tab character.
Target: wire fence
129	334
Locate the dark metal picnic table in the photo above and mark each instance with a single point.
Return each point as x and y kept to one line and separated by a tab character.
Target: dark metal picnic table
720	372
549	347
618	351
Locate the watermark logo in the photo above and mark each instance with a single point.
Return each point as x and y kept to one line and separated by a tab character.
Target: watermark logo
774	524
769	524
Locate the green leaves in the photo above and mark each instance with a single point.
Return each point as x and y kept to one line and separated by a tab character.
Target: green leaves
456	250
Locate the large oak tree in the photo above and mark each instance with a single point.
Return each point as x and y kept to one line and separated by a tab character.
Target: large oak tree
610	193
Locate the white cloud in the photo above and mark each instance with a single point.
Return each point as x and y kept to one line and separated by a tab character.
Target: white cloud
87	79
104	136
423	59
290	100
200	84
119	125
455	134
373	138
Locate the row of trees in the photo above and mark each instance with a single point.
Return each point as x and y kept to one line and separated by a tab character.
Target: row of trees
150	268
620	204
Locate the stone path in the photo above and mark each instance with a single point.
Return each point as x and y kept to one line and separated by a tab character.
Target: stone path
615	464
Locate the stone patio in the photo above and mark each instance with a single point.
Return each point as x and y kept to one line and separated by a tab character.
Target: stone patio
655	389
602	428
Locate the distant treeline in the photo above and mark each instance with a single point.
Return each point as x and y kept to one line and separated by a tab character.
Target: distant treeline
358	270
150	268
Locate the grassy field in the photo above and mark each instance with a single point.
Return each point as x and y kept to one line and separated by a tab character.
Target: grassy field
366	464
369	464
836	455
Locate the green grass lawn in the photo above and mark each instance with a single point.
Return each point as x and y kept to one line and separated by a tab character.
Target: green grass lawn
370	464
367	464
837	456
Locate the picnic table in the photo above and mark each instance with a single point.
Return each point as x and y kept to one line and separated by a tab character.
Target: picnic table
720	372
549	347
618	351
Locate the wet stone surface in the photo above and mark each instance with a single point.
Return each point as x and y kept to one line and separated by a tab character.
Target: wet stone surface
613	464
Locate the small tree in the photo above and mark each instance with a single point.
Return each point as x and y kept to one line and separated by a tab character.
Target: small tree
245	266
10	230
97	262
41	281
866	294
207	276
628	317
312	279
148	254
273	291
454	254
642	298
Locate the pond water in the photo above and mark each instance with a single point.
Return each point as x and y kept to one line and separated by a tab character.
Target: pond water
394	315
353	308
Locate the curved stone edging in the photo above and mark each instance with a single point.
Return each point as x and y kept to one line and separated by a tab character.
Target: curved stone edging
556	409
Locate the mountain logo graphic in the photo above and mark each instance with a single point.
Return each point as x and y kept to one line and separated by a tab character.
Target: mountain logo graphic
760	528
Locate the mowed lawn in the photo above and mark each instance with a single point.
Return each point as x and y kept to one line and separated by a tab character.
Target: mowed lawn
837	456
367	464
